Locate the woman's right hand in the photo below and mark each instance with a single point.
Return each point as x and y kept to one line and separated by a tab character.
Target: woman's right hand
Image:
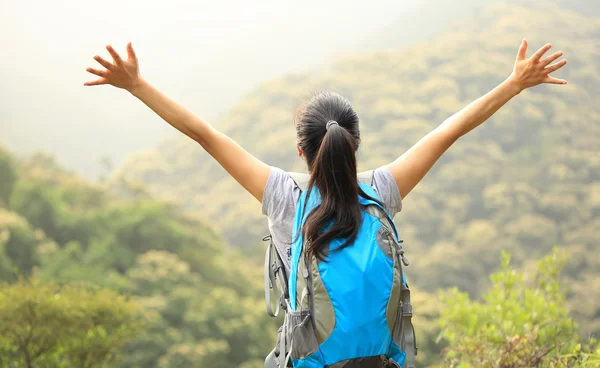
120	73
249	171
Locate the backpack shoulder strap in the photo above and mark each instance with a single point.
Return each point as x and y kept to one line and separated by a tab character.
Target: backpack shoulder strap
275	278
302	179
366	177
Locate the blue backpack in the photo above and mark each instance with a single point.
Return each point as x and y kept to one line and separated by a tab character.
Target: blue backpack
351	310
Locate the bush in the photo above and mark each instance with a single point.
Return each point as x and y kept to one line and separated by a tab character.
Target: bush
521	321
59	325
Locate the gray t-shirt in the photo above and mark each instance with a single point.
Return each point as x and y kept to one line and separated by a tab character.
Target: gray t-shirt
282	194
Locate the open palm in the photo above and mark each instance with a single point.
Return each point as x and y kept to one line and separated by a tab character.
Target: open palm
120	73
529	72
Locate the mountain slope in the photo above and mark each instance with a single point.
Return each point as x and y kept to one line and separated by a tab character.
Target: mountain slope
196	294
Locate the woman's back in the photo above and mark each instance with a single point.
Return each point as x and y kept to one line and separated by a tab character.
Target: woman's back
281	197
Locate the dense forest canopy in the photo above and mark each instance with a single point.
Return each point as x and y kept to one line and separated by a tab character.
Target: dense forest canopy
197	297
68	248
529	179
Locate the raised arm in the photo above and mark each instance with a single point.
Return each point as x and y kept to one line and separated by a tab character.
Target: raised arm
249	171
412	166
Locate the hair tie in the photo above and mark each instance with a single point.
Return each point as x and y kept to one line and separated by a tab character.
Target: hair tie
330	123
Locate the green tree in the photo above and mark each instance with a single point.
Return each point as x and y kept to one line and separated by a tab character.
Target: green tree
206	353
193	322
19	245
8	176
35	201
521	321
59	325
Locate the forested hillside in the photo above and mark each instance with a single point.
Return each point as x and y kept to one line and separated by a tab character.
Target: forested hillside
433	16
93	280
202	305
529	179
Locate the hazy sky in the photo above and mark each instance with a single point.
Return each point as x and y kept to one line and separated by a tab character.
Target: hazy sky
205	54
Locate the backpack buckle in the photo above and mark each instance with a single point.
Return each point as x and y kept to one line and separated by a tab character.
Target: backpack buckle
401	253
404	260
407	309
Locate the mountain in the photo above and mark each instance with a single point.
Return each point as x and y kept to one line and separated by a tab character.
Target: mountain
433	16
524	182
206	55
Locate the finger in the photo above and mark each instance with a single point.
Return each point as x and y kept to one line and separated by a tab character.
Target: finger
551	58
104	63
555	67
522	50
96	82
552	80
98	72
130	52
115	55
539	53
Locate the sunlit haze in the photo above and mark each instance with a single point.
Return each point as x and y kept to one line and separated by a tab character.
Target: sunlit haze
206	54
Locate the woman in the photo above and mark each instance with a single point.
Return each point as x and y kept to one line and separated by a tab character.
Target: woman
327	139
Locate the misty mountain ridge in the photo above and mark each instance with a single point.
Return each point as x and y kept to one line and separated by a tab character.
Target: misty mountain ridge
47	109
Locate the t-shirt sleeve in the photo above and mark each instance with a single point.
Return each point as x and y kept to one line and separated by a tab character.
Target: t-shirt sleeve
279	195
387	190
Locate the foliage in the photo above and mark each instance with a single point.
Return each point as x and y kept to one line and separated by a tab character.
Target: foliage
49	324
527	180
521	321
19	245
8	173
207	325
426	313
200	302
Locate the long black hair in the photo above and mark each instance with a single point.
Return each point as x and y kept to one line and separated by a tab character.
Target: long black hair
328	135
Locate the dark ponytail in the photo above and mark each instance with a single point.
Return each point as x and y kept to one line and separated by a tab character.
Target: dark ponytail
328	134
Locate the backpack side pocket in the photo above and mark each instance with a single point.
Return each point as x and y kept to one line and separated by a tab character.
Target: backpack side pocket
303	337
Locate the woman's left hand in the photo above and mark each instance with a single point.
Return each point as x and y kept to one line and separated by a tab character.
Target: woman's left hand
529	72
120	73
